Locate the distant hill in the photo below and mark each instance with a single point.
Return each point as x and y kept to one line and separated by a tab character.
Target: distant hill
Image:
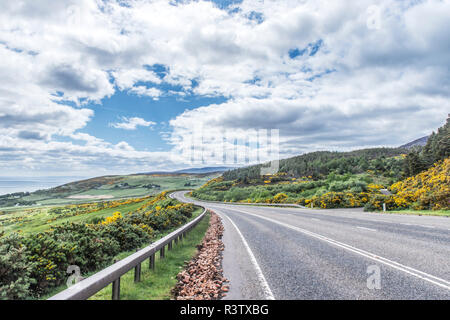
193	170
418	142
205	170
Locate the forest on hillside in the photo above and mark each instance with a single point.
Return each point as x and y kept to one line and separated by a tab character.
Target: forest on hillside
418	178
321	163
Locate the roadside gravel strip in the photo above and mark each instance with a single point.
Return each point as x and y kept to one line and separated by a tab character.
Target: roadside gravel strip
202	278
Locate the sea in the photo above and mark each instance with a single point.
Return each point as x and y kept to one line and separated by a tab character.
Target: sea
30	184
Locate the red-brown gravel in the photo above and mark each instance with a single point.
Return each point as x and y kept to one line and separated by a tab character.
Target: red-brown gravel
202	278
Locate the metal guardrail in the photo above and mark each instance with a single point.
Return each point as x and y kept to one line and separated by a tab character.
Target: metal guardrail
250	204
267	204
91	285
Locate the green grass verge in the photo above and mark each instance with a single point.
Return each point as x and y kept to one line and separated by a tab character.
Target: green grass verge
156	284
189	246
442	213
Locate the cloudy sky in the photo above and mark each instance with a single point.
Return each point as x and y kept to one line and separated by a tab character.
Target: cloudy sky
101	87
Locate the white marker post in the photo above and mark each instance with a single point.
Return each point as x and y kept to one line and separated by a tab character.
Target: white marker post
384	207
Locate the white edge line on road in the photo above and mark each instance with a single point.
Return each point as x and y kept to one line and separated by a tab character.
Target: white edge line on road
411	271
265	286
364	228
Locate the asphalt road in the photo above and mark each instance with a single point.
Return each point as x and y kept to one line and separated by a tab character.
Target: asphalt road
294	253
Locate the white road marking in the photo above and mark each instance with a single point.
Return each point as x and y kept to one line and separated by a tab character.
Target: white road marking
411	271
315	219
364	228
418	225
265	286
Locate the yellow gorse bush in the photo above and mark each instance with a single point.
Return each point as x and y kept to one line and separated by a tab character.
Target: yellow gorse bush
338	200
374	187
427	190
116	216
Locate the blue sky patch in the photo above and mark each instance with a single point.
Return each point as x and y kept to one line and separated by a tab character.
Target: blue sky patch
122	105
312	49
294	53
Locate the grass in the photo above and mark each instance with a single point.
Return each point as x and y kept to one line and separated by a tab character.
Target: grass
114	187
184	251
442	213
36	219
157	284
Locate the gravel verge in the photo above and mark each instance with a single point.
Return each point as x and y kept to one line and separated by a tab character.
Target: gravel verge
202	278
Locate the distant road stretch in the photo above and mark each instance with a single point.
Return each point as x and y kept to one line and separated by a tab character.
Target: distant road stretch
294	253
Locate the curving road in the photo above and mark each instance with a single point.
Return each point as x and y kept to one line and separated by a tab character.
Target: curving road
294	253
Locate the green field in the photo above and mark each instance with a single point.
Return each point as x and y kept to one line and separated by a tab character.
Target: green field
104	188
39	216
39	219
157	284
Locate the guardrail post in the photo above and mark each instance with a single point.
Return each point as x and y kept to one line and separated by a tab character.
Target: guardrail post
151	262
137	271
116	288
176	240
169	246
161	253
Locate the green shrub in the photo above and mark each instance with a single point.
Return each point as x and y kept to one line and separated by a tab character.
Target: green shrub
15	270
31	265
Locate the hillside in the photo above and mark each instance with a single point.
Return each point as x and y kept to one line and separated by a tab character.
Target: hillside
436	149
416	143
310	176
429	189
106	188
419	178
319	164
37	247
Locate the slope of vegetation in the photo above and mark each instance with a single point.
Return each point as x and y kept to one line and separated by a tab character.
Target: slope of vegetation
311	175
346	179
107	187
280	188
33	264
436	149
318	165
429	189
39	219
157	284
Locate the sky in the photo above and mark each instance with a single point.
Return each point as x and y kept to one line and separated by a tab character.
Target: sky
92	87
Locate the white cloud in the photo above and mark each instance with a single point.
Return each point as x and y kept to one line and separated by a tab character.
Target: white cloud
144	91
127	78
132	123
363	87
